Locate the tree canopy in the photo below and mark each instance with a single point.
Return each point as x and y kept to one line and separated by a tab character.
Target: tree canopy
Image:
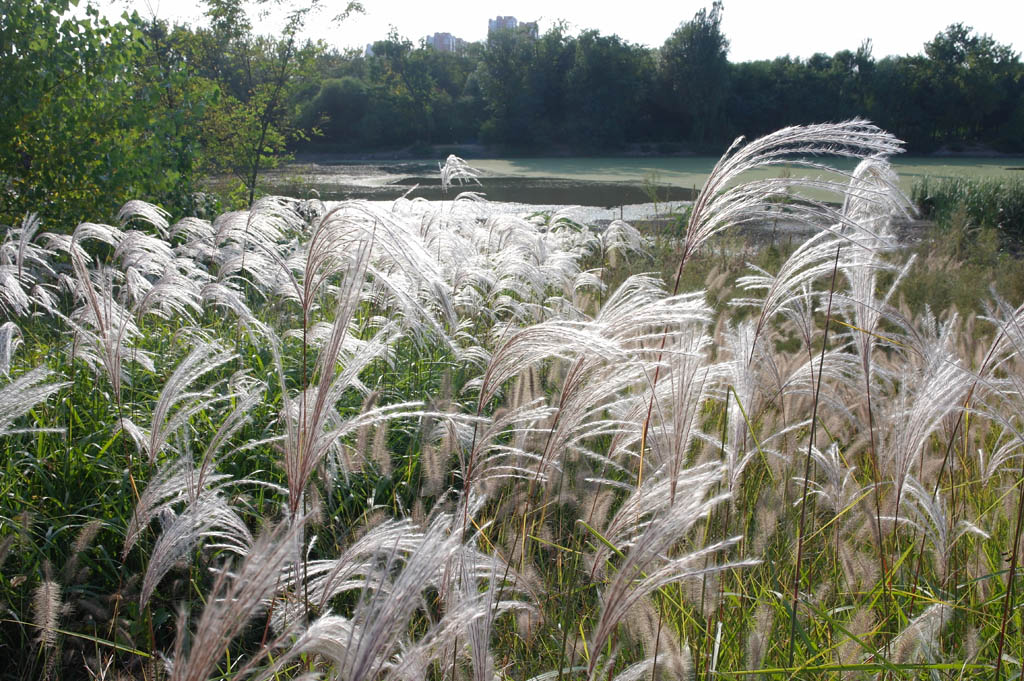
94	112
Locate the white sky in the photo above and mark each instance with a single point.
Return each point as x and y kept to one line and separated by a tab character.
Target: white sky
756	29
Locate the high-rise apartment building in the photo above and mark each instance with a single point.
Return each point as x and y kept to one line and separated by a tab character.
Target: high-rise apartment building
501	24
445	42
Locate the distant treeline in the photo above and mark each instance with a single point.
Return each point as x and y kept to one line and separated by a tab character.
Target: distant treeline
591	92
93	113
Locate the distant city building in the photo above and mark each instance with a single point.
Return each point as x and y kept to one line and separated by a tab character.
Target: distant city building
501	24
445	42
510	23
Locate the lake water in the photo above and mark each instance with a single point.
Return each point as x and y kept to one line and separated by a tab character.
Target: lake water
599	183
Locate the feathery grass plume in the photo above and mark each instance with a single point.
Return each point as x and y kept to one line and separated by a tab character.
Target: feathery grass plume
1005	449
1008	344
332	250
23	268
84	538
929	514
490	454
177	293
678	400
478	594
400	263
380	453
208	517
14	300
253	244
229	298
106	234
326	579
197	238
812	261
919	640
560	339
619	239
206	513
307	415
237	595
838	487
269	221
17	247
741	383
149	255
10	339
590	399
176	404
177	481
371	642
609	354
104	326
661	649
873	200
796	383
146	212
247	393
314	432
20	395
933	385
46	607
723	203
645	530
455	170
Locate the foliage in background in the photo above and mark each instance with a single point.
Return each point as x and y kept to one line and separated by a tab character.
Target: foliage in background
91	114
528	93
694	74
260	78
94	113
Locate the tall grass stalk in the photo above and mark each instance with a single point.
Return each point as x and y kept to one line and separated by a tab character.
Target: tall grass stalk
807	466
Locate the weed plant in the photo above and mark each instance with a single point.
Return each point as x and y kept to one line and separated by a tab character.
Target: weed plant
427	442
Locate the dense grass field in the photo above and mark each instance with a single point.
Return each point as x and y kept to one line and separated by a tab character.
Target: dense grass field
430	442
